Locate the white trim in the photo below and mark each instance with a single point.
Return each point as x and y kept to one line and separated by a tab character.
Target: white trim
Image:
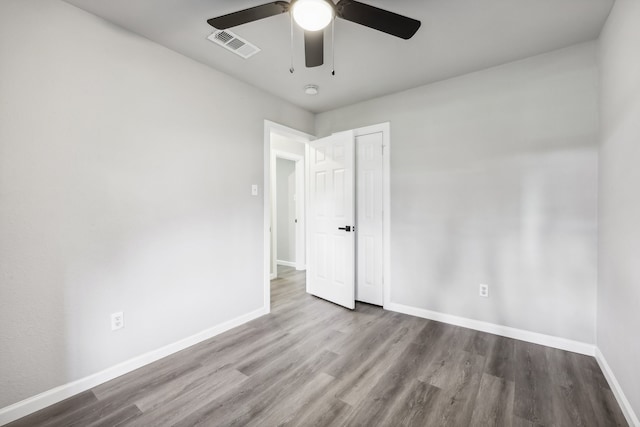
385	128
301	216
273	224
273	276
505	331
627	410
287	155
307	189
272	127
266	186
55	395
287	263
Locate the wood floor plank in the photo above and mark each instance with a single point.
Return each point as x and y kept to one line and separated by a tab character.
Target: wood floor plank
519	422
327	412
232	353
52	414
117	418
432	333
378	404
416	405
231	409
354	388
480	343
125	387
296	405
534	388
500	359
605	408
204	384
313	363
362	348
269	404
459	390
179	408
590	371
494	405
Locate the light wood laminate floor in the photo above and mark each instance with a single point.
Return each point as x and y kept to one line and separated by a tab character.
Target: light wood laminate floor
312	363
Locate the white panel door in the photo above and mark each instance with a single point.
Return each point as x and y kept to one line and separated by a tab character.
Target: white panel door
331	214
369	245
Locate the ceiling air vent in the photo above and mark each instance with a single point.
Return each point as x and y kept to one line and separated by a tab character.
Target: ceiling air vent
235	44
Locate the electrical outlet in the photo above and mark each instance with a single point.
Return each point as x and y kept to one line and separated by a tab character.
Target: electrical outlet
254	190
484	290
117	321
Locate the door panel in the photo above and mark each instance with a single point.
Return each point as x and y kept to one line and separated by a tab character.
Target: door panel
369	246
331	263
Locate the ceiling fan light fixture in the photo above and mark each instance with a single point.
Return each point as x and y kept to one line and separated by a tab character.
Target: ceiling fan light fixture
312	15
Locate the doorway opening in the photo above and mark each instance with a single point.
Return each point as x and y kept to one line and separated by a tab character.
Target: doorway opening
284	210
288	207
290	199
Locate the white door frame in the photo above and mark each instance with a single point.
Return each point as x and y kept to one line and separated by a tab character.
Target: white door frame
269	128
300	261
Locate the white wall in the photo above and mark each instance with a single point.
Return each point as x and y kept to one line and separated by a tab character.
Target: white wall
125	177
619	247
285	209
494	180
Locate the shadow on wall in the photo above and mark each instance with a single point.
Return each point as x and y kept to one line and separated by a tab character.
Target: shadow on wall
525	225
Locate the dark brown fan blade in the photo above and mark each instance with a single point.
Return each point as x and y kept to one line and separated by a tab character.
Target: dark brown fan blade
378	19
314	48
249	15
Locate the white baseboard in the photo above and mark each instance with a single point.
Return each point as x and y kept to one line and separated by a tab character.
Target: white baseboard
55	395
286	263
627	410
273	276
505	331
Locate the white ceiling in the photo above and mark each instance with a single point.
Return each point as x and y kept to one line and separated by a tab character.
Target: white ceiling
456	37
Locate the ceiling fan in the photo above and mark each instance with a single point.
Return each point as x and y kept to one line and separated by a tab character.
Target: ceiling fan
313	16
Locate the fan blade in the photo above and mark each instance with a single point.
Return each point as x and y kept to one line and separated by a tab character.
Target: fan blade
378	19
249	15
314	48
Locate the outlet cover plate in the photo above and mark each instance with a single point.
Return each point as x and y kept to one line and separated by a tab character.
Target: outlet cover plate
117	321
484	290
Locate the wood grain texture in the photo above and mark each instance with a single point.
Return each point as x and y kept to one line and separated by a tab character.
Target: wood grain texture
312	363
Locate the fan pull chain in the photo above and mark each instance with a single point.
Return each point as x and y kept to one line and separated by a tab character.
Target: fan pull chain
291	69
333	47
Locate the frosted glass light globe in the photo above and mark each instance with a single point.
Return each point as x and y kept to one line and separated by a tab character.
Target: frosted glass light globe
312	15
